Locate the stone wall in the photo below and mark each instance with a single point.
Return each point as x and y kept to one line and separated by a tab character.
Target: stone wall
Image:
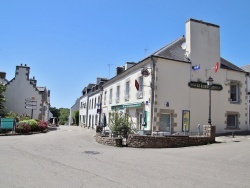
142	141
170	141
110	141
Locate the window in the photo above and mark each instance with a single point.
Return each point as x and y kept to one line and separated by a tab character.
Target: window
89	103
110	95
105	96
95	103
234	92
127	91
117	94
141	83
232	120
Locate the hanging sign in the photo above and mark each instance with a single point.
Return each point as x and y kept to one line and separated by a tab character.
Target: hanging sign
145	72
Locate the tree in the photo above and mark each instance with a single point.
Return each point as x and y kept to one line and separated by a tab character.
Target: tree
121	123
75	117
64	115
2	99
55	112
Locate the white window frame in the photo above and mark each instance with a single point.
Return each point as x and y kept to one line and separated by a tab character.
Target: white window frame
234	92
110	95
127	90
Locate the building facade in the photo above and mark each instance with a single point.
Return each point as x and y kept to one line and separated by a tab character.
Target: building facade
173	96
23	96
90	104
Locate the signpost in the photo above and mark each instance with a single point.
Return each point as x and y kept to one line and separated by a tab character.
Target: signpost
31	104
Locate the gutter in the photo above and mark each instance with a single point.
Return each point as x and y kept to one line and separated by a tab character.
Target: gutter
152	85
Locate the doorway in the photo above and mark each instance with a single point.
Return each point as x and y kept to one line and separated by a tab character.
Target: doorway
165	123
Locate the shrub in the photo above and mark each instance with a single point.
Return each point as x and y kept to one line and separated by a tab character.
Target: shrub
42	126
121	123
23	127
12	115
24	117
32	123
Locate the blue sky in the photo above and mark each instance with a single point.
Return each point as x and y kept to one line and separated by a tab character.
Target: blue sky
68	43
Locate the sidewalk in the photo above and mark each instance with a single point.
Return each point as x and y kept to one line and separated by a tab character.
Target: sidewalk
233	137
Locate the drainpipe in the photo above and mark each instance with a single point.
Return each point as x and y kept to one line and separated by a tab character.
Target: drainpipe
152	93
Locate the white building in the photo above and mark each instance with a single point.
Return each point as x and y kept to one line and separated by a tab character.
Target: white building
90	104
175	92
73	108
22	94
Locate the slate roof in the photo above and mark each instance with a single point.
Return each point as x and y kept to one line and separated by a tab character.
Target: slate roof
228	65
174	51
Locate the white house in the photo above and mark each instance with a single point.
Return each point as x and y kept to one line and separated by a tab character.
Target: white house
173	95
23	96
73	108
90	104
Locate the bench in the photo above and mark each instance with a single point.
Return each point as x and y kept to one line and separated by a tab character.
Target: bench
7	124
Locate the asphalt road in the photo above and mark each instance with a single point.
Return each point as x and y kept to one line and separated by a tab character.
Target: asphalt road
70	157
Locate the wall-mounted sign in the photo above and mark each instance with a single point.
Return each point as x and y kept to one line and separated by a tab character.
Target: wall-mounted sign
145	72
196	67
200	85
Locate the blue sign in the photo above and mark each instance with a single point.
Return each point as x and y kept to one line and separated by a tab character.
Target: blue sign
196	67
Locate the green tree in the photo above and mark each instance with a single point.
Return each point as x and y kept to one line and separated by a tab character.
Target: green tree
2	99
64	115
75	117
55	112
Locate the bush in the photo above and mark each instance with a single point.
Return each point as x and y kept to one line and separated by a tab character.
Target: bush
42	126
22	127
121	124
32	123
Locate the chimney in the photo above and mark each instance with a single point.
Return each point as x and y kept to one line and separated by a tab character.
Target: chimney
2	75
129	64
202	45
119	70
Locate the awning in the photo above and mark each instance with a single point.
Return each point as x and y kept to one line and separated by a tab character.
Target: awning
129	105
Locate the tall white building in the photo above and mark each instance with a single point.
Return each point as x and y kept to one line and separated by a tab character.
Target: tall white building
173	95
22	94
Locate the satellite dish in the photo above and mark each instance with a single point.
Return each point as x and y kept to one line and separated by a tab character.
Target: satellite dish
184	46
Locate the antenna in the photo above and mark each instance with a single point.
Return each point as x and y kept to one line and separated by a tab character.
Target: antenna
109	68
145	51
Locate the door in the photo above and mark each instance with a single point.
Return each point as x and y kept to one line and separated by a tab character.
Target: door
165	123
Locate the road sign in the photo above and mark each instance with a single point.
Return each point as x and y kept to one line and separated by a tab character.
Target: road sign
30	104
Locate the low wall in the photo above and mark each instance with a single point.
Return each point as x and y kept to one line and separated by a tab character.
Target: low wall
110	141
141	141
171	141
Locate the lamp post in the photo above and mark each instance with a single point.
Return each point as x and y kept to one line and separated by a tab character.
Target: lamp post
209	83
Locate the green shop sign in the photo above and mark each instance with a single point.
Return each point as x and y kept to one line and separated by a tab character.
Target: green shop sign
200	85
121	107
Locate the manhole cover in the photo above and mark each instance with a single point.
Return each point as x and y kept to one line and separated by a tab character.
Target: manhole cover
92	152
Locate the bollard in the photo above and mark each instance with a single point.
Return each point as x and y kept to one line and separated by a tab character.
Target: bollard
199	126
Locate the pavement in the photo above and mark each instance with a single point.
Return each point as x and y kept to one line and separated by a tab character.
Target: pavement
233	137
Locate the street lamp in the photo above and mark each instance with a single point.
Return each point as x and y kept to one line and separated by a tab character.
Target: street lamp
209	83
